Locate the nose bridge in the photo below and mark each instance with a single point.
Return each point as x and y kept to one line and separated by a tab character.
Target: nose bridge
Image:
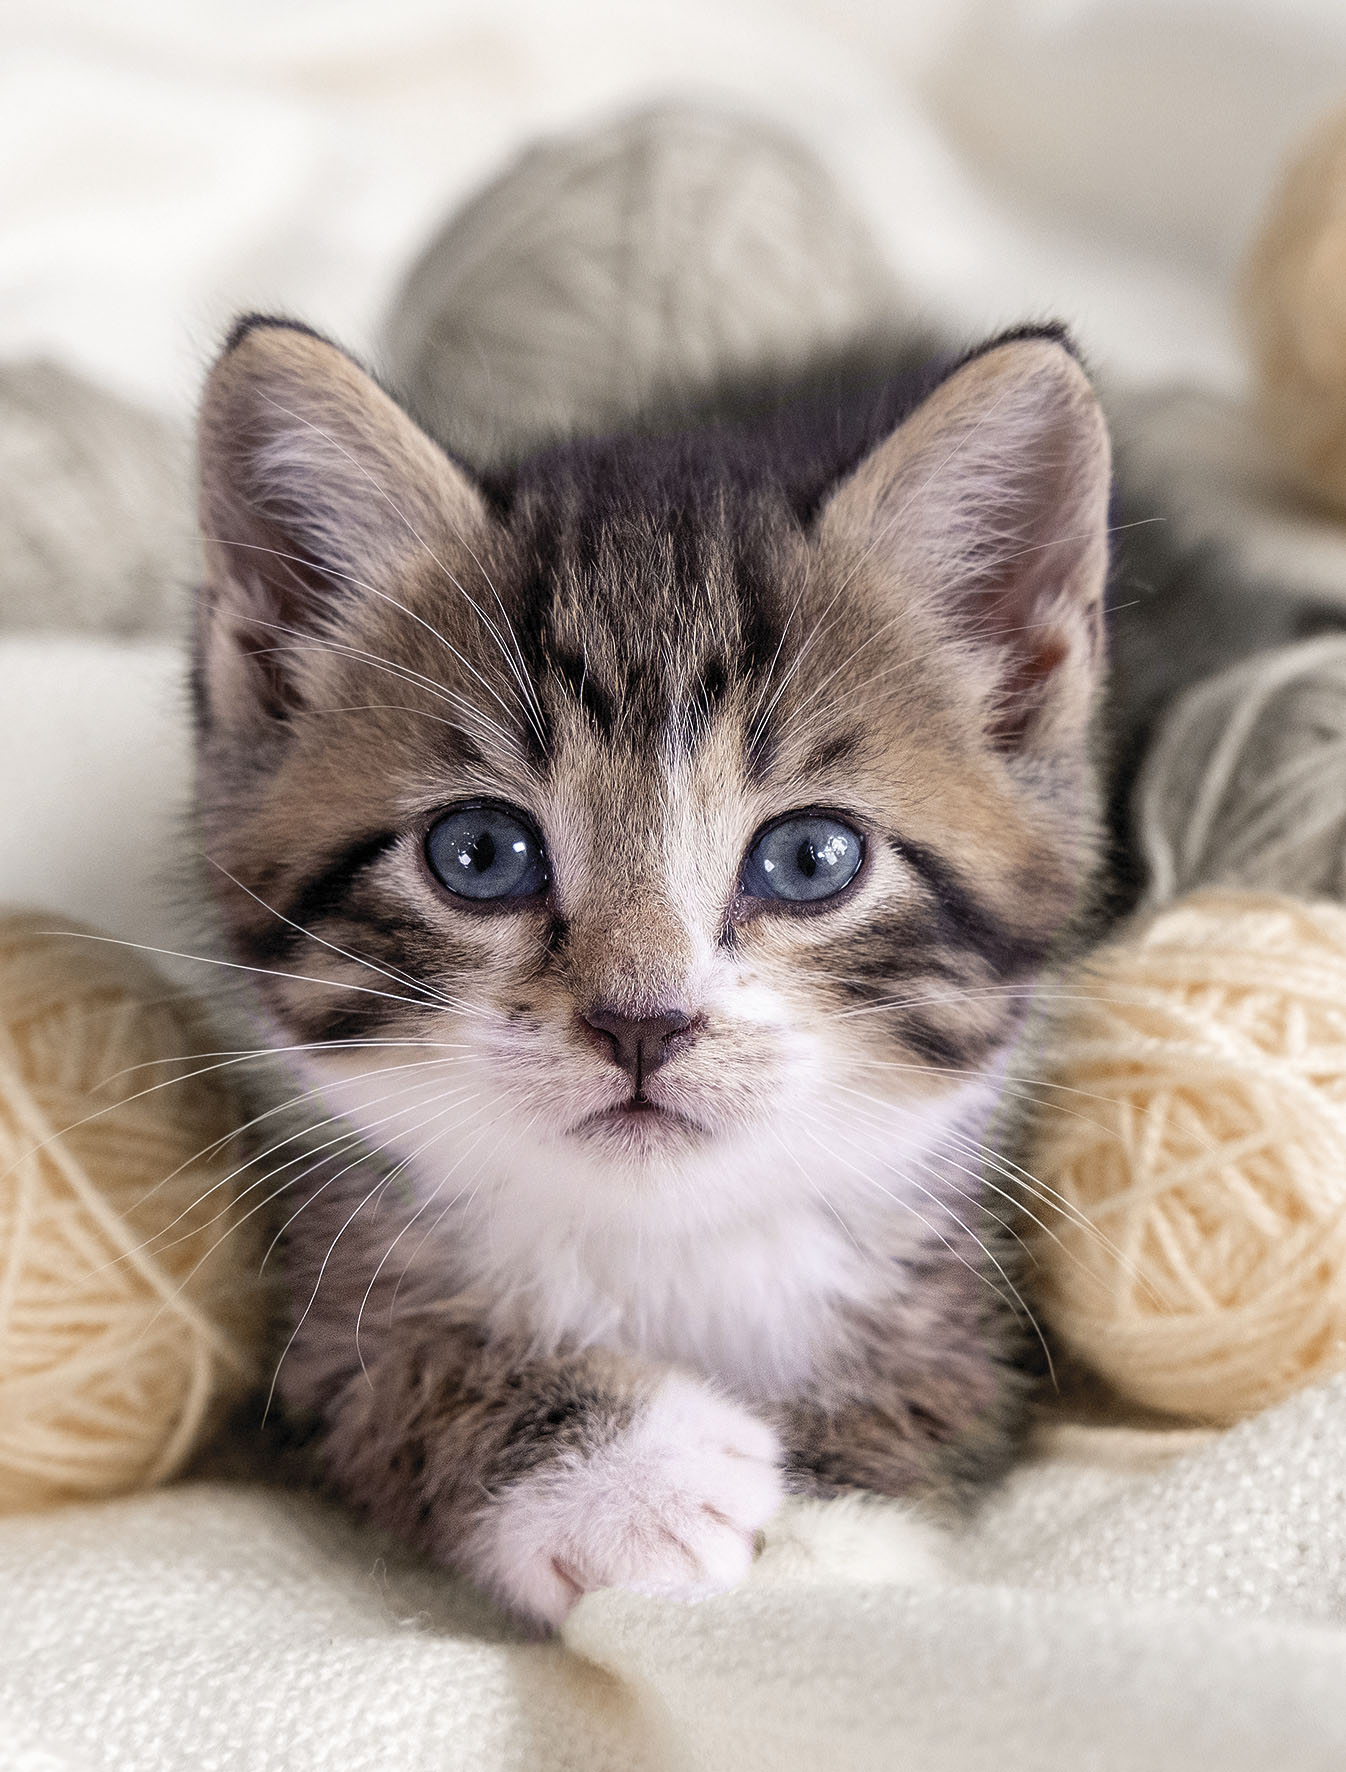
631	950
638	927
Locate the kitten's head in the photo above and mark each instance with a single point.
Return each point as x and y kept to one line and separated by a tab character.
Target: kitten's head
672	809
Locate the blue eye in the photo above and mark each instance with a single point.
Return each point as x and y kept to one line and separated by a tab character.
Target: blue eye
803	859
485	852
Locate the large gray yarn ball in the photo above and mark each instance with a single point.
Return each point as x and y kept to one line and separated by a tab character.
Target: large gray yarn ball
96	509
1245	782
605	270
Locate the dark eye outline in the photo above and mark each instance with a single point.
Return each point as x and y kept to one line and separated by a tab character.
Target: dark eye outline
748	904
486	906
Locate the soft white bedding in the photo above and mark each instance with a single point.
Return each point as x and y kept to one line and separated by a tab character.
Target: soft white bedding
1131	1602
1138	1601
94	770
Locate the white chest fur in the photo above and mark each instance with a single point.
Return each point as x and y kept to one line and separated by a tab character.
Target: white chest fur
736	1263
737	1267
745	1303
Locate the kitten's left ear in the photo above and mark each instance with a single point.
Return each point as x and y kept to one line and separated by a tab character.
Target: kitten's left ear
991	499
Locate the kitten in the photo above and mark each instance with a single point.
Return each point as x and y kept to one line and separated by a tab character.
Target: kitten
646	856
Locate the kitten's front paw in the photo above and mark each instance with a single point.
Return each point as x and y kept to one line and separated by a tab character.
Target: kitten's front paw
671	1506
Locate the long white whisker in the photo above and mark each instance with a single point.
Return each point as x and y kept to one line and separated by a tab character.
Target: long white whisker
301	641
238	966
251	1161
410	527
383	596
956	1253
395	976
985	1159
511	1096
322	1270
462	1157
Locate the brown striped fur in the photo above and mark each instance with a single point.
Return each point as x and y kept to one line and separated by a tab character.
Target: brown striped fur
885	605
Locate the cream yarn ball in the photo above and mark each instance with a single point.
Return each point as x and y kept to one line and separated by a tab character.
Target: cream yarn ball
130	1309
1195	1142
605	269
1294	307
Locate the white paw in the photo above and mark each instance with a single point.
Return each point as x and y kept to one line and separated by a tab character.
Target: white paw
671	1507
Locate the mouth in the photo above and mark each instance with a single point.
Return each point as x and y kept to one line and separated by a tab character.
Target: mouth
637	1116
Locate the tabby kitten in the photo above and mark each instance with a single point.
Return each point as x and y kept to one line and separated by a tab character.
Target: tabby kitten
645	857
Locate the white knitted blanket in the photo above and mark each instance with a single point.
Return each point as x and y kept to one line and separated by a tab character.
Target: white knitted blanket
1131	1602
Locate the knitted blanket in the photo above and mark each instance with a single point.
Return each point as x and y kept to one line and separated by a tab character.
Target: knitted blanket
1130	1602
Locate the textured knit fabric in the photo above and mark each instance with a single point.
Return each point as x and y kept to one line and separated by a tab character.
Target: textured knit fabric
1130	1602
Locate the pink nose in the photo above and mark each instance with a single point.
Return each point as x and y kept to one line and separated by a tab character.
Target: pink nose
641	1043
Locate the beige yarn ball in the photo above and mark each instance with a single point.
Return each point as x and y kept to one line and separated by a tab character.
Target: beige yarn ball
602	270
1196	1144
130	1310
1294	306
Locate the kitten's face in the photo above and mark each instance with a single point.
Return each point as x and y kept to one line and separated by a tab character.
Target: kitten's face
633	834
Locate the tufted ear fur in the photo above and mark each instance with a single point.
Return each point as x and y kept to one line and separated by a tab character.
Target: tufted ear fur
992	498
315	486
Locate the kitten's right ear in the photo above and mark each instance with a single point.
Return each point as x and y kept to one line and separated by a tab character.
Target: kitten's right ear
316	491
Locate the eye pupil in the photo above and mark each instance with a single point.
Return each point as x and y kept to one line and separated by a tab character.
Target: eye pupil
802	859
485	853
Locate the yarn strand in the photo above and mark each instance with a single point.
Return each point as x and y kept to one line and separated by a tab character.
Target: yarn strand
118	1350
1207	1197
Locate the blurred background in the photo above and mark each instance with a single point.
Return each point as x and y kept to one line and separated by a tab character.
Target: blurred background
166	162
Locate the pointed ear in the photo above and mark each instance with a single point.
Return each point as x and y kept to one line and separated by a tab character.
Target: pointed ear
991	502
316	491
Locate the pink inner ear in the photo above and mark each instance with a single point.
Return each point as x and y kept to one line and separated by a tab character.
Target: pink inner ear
991	501
314	487
1024	684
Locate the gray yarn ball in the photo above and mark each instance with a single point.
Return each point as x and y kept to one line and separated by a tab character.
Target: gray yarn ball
1245	783
96	510
604	270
